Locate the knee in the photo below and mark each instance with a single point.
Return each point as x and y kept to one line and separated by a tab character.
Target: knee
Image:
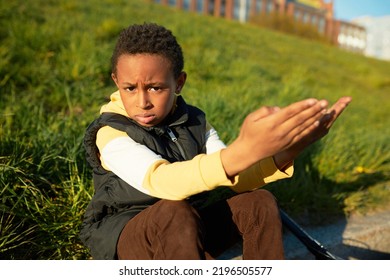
179	213
259	201
255	207
263	199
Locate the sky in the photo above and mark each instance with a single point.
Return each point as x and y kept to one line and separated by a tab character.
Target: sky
350	9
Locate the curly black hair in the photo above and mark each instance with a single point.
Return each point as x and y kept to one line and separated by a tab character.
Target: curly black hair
149	38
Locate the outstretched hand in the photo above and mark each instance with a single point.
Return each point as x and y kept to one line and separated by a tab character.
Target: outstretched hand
326	121
270	130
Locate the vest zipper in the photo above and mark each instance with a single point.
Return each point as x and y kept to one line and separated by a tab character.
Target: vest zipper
174	140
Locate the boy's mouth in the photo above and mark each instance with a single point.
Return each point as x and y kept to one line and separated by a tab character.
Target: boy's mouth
145	119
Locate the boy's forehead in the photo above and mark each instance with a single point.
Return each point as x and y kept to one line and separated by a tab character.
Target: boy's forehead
151	57
143	63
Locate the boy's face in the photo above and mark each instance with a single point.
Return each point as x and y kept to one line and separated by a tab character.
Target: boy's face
147	87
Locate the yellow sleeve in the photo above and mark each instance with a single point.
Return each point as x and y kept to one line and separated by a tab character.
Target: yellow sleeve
180	180
260	174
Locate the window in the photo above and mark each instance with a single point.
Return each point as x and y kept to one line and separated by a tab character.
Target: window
199	6
186	4
259	6
297	15
306	17
270	6
321	25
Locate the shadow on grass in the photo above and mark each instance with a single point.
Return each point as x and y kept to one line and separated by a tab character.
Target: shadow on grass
317	205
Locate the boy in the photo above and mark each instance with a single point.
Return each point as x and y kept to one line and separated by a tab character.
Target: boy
154	157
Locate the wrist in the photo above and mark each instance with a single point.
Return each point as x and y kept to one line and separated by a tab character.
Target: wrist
284	159
236	158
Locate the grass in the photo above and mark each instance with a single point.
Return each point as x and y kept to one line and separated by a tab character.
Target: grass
55	75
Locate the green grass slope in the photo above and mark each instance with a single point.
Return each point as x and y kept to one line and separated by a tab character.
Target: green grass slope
55	75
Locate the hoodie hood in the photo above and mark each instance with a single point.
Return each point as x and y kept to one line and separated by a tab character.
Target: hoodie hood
115	105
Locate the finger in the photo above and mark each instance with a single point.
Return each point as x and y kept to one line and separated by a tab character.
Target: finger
330	117
335	111
303	119
298	107
288	123
340	105
263	112
311	124
285	113
309	135
308	127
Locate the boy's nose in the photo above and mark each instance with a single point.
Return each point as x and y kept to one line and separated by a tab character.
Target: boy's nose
143	101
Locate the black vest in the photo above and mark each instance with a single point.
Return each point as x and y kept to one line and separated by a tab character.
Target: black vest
180	137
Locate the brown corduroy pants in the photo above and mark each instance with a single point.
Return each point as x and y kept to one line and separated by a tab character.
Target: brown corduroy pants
174	230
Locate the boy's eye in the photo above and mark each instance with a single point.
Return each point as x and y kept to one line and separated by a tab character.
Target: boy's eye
154	89
130	89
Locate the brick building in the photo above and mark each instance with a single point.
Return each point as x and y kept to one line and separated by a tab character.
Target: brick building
318	13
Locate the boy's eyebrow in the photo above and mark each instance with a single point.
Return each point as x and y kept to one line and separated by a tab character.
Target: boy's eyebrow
155	84
147	83
127	84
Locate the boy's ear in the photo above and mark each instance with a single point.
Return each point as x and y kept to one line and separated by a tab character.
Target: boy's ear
181	80
113	77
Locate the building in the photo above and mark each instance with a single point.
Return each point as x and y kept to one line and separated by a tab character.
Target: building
317	13
378	36
349	36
